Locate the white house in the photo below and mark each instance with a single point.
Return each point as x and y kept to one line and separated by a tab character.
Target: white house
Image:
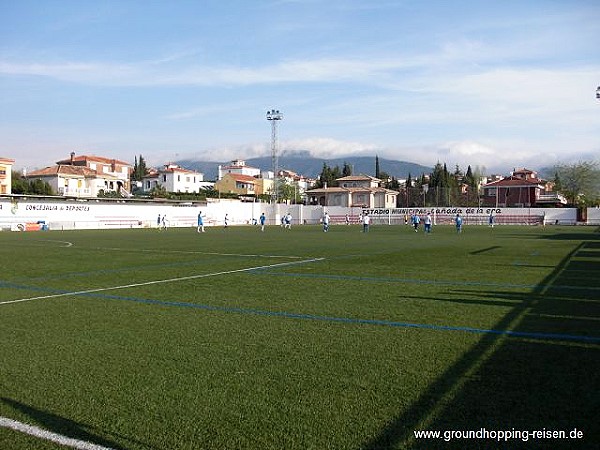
175	179
238	167
355	190
85	176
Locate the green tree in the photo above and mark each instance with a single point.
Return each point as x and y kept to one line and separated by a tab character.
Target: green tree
139	169
328	176
347	170
377	171
158	192
579	182
288	191
20	185
470	178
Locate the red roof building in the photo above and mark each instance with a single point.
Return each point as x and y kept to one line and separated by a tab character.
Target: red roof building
86	176
522	189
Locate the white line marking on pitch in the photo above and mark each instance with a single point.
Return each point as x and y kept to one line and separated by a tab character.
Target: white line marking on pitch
49	435
169	280
36	243
69	244
193	252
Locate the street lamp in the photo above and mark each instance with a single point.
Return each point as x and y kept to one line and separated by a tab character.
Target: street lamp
274	116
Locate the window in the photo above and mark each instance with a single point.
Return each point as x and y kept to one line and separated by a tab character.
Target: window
164	178
178	177
491	192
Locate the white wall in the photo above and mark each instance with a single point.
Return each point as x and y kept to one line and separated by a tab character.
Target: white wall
593	216
90	214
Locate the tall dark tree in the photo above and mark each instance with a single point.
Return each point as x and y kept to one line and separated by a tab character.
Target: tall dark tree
328	176
335	174
347	170
377	172
470	178
139	169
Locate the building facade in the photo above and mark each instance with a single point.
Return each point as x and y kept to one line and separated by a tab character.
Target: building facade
239	167
234	183
6	165
522	189
354	191
174	179
86	176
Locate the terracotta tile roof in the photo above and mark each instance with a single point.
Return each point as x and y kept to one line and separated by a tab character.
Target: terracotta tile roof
63	170
70	171
360	177
6	160
514	182
177	169
91	158
240	177
336	189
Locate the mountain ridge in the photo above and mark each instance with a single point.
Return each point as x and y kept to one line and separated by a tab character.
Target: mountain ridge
304	164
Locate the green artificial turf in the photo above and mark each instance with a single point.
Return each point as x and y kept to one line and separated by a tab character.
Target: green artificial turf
300	339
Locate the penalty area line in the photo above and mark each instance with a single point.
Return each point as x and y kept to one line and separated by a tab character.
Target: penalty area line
169	280
49	435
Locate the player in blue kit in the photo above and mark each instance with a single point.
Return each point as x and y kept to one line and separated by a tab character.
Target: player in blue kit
458	221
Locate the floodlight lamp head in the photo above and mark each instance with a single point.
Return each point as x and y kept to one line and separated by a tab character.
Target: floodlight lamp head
598	92
274	115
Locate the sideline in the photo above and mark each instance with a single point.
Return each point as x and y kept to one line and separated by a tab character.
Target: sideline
169	280
49	435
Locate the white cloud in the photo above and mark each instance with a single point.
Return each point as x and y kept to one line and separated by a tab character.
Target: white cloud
322	147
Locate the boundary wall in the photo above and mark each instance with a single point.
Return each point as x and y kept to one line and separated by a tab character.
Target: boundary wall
30	213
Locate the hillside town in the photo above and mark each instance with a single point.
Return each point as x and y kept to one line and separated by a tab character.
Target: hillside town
91	176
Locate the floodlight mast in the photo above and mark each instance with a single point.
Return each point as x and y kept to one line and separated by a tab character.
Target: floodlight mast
274	116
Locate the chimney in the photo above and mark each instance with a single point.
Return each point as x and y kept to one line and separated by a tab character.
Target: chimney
72	157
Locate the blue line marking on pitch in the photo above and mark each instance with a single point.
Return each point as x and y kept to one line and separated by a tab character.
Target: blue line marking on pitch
333	319
349	320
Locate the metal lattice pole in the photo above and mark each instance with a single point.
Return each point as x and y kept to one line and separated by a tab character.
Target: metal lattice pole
274	116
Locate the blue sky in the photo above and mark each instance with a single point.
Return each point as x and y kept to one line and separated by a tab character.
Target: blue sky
494	84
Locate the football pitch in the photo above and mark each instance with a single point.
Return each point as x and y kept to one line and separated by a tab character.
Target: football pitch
299	339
